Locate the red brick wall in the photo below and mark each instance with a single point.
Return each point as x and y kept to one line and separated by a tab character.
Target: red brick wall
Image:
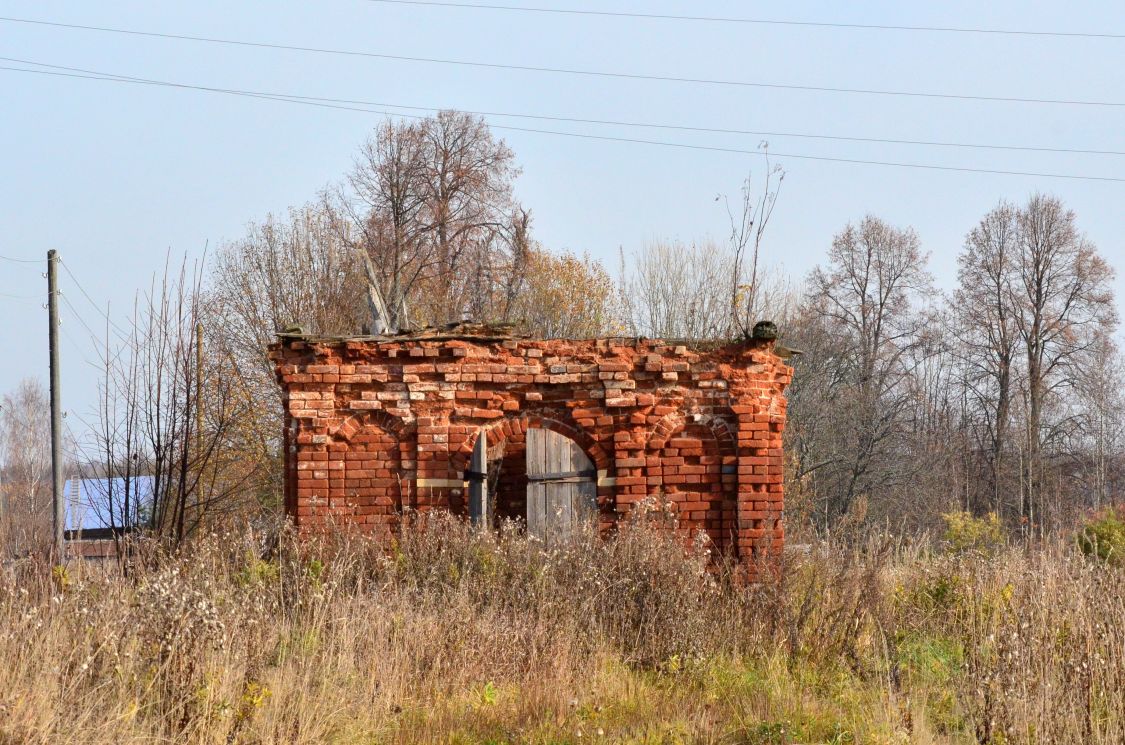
375	427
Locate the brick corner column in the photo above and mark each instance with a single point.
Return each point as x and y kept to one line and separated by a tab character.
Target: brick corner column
759	404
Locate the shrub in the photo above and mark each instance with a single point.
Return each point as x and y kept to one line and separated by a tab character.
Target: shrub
1103	536
966	532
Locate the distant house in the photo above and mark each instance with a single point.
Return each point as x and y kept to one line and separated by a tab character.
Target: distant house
96	513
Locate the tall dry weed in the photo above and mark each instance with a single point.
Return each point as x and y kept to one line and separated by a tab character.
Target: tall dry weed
457	635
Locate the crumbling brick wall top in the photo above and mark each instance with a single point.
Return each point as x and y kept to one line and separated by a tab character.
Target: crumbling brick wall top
376	427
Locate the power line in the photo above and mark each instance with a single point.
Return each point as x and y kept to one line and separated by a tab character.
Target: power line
570	71
125	334
77	347
104	360
79	318
606	122
75	450
109	77
78	449
19	261
757	21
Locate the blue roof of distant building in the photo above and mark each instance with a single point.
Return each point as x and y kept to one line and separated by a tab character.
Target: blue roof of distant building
93	504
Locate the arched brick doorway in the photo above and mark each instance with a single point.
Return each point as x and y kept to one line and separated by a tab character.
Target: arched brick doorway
539	474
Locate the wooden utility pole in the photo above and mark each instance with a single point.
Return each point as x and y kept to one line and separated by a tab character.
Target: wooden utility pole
58	512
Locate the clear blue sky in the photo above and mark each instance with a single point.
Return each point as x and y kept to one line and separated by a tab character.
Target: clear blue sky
115	175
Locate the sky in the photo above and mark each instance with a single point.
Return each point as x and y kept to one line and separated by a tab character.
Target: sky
117	176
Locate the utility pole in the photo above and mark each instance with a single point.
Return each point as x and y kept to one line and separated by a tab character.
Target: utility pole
58	512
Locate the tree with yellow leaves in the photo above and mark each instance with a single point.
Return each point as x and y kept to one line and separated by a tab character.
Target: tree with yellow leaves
566	296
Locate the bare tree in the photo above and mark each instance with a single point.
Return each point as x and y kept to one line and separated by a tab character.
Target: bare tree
391	221
291	269
986	319
1062	296
433	214
938	472
1033	302
748	292
25	444
706	289
681	291
861	307
295	269
1007	400
152	422
1100	386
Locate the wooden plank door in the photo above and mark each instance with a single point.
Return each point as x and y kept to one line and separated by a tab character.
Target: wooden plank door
561	487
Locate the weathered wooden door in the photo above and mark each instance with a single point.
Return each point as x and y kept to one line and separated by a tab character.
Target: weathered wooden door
562	493
480	500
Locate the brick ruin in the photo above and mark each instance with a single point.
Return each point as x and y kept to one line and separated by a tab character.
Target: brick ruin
379	426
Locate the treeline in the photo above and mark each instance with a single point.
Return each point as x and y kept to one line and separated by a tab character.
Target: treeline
1004	396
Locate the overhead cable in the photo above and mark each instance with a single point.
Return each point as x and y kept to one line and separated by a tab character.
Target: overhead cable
757	21
574	71
110	77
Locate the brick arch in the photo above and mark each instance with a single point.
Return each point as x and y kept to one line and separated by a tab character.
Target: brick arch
719	425
401	429
371	485
699	483
504	429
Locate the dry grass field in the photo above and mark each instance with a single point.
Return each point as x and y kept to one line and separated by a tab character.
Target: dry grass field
458	637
